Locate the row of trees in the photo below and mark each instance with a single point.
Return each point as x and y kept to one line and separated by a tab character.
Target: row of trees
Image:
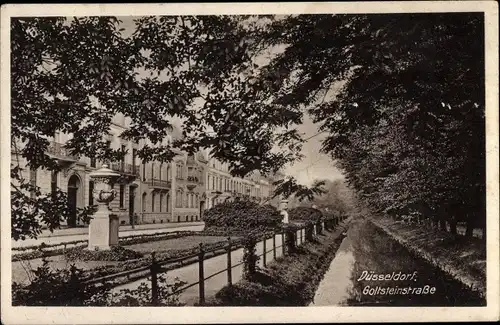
407	126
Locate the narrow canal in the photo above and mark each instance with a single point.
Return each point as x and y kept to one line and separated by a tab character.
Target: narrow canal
371	269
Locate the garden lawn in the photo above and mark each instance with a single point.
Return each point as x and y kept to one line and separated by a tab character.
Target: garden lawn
180	243
21	269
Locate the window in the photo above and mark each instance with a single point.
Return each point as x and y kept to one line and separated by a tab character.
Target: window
167	205
124	149
134	156
53	183
213	182
93	162
91	193
178	199
152	170
32	181
122	195
152	202
143	171
161	201
159	172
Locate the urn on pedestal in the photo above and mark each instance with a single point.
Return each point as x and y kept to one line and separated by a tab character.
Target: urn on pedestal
103	228
283	210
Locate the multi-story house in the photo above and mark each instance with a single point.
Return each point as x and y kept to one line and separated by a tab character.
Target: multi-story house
151	192
221	186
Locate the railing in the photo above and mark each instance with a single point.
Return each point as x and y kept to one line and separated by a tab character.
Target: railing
158	183
125	168
57	149
299	236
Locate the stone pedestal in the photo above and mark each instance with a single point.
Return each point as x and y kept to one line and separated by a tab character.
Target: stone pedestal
103	228
99	231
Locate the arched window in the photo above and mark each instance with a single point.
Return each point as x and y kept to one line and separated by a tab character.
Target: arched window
153	202
152	170
144	201
161	201
178	199
168	203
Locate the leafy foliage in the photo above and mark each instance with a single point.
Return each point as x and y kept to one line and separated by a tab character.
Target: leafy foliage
405	122
289	186
242	216
116	253
291	281
65	288
55	288
305	214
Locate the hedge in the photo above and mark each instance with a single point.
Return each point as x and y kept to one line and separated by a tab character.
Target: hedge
290	281
240	217
305	214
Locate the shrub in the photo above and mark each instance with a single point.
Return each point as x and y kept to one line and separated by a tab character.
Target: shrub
242	216
56	288
116	253
305	214
141	296
290	282
66	288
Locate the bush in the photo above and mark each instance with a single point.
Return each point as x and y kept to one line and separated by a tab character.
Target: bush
116	253
305	214
66	288
240	217
56	288
291	282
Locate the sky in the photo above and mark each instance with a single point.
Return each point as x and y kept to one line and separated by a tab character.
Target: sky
314	165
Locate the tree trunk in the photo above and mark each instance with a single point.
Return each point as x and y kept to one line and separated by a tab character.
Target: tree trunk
453	226
469	229
442	224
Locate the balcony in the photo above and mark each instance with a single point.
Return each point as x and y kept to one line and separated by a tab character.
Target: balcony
58	150
127	169
159	184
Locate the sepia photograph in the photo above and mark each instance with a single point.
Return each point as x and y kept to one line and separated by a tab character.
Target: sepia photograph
342	157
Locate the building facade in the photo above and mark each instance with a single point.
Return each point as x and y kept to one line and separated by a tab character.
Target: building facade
221	186
147	192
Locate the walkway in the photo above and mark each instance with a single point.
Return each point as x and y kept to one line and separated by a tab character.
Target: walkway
212	265
72	234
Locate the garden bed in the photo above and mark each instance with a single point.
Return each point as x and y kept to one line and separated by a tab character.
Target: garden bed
44	250
289	281
165	251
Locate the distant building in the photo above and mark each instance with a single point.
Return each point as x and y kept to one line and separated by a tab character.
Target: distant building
221	186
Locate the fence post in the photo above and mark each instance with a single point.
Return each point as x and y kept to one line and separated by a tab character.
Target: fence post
229	264
274	246
201	275
264	259
283	242
154	280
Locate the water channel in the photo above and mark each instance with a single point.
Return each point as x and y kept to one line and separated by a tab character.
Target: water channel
402	280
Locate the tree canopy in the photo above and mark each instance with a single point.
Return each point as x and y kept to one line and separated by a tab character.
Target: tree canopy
407	126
